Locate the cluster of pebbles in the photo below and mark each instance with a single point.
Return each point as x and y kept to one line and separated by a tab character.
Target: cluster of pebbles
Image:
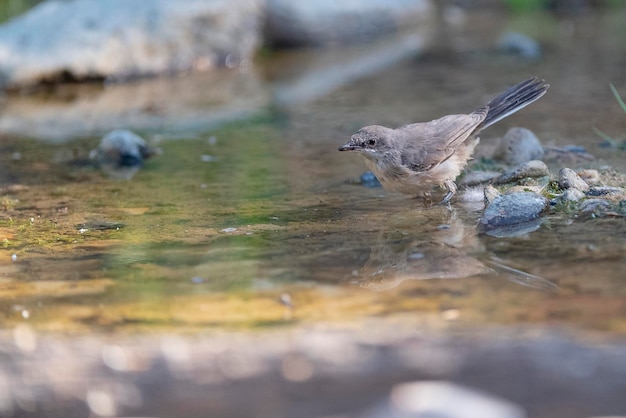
516	198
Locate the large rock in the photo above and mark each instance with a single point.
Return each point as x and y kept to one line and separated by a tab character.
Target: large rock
512	214
82	39
305	22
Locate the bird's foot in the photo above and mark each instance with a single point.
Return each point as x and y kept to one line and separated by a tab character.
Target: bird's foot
451	187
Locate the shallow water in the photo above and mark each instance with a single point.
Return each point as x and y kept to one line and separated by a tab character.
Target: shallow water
272	234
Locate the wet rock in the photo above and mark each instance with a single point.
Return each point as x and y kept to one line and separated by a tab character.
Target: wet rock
490	194
605	191
445	400
83	39
303	22
534	168
512	209
122	148
568	179
121	153
519	145
573	195
594	206
368	179
475	178
521	45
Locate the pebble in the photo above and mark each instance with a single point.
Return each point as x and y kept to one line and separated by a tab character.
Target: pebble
572	195
518	146
605	191
590	177
521	45
122	148
568	179
490	194
511	209
368	179
534	168
594	205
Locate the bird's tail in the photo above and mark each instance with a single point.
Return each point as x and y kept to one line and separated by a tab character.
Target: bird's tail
512	100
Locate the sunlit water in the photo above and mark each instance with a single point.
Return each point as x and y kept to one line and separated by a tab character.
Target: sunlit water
259	223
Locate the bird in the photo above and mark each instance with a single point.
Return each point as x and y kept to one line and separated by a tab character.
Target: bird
418	158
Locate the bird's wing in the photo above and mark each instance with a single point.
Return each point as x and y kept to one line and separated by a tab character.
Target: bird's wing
430	143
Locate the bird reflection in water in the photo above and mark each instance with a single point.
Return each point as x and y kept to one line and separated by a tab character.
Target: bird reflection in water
446	247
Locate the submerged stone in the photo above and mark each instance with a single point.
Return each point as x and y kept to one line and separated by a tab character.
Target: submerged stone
511	209
121	153
368	179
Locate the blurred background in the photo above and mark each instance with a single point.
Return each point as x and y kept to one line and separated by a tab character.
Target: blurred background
180	236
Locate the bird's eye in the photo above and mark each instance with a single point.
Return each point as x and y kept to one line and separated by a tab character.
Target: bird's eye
371	142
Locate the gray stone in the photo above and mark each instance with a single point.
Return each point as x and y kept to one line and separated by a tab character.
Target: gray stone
572	195
533	168
112	39
305	22
121	153
516	43
594	206
368	179
605	191
511	209
568	179
519	145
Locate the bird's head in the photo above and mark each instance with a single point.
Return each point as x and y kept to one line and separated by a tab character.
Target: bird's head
372	141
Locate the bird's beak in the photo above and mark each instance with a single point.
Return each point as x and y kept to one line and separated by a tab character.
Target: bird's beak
348	147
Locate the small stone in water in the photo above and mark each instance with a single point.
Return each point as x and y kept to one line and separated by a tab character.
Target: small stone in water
368	179
594	205
518	146
14	257
523	46
605	191
534	168
197	280
510	209
286	300
573	195
568	179
416	256
208	158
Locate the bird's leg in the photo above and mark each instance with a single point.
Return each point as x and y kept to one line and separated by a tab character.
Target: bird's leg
427	198
451	187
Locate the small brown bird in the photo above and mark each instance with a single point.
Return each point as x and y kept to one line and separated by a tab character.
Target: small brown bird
415	158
